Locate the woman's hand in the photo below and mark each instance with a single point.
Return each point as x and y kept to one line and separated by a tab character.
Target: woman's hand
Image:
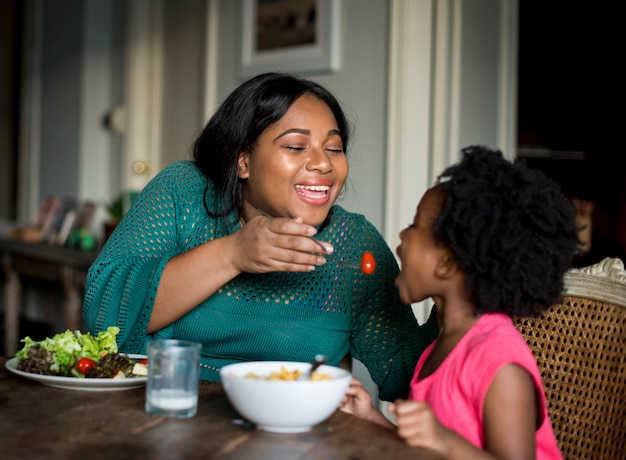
267	244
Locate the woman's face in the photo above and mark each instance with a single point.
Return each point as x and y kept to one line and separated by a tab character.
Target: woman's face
418	252
298	167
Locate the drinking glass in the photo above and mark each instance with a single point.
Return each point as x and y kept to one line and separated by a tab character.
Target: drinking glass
173	374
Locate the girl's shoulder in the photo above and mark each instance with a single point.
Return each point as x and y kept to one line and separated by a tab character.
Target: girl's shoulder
494	338
490	327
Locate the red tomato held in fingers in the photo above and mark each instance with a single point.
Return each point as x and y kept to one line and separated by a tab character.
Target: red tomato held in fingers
84	364
368	263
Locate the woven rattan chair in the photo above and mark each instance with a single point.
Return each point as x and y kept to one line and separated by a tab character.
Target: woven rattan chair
580	346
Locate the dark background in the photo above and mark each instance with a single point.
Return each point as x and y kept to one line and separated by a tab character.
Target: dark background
570	96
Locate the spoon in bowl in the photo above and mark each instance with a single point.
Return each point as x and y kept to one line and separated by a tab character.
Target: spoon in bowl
317	362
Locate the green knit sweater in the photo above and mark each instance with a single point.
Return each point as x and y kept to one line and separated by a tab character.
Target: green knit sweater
276	316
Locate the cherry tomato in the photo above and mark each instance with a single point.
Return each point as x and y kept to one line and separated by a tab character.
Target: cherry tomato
368	263
84	364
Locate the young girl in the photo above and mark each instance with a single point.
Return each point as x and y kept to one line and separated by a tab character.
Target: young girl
491	240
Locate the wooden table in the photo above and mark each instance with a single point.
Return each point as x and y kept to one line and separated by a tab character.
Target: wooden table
41	422
43	262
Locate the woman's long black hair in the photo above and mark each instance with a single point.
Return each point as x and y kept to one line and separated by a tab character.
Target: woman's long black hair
237	124
510	228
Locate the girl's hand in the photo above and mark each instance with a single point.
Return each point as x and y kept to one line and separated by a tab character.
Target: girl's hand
357	400
417	425
266	244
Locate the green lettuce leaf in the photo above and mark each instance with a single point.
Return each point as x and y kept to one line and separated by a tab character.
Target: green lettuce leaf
68	347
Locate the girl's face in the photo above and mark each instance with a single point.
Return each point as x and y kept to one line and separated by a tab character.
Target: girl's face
298	166
419	253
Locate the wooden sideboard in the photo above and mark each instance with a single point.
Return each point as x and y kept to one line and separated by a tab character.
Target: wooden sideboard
47	263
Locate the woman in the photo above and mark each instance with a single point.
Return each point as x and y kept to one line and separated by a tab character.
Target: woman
242	249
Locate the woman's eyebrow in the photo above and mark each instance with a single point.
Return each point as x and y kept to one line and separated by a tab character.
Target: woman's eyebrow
331	132
294	130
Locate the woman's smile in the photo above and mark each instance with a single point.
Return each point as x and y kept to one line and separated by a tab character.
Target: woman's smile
298	166
315	194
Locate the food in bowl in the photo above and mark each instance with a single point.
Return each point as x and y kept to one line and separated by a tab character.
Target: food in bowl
283	406
285	374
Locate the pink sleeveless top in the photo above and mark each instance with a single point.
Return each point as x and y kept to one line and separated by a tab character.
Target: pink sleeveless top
456	390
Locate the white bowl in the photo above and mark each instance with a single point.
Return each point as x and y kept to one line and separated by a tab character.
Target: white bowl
283	406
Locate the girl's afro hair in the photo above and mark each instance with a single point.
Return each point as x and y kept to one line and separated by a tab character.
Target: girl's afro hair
511	230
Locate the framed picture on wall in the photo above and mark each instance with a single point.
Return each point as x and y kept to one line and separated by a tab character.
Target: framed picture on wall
289	35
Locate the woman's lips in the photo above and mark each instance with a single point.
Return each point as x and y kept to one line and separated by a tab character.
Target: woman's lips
314	194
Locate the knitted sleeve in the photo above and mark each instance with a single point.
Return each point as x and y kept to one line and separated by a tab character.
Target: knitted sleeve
385	336
122	283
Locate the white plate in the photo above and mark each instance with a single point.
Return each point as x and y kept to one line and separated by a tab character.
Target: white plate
75	383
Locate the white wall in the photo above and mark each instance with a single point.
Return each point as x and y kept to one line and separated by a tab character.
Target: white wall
184	44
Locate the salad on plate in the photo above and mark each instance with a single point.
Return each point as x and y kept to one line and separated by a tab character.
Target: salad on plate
81	355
